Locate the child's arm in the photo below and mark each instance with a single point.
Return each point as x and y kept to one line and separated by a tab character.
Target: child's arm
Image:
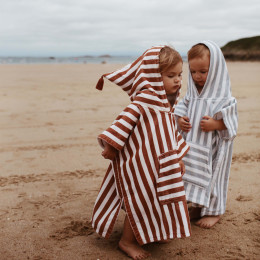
118	133
109	151
184	123
208	124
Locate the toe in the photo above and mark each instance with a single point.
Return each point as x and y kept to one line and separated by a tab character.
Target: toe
198	223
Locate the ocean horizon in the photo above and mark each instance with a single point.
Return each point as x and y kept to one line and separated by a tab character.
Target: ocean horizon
71	60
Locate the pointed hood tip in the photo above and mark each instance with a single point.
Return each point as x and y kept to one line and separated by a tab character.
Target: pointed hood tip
100	83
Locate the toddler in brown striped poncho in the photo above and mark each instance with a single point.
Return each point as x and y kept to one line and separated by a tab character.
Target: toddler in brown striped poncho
146	151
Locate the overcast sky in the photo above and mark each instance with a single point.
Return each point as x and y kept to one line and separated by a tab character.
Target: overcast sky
120	27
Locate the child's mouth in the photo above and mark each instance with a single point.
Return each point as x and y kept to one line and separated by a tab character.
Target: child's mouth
200	82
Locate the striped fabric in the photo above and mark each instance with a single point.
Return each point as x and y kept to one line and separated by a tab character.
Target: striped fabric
209	158
145	175
169	183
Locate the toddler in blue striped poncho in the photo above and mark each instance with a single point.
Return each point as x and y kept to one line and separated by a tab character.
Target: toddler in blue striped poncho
207	117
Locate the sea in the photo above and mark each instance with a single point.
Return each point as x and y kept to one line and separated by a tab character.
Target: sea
67	60
70	60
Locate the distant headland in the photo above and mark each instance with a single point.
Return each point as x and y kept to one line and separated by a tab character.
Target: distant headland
245	49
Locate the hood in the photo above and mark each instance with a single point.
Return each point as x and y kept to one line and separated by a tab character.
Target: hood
141	80
217	85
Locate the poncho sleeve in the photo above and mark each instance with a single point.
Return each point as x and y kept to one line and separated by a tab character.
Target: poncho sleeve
182	107
229	115
117	134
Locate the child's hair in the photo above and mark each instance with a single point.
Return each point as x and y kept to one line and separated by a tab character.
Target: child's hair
168	58
198	51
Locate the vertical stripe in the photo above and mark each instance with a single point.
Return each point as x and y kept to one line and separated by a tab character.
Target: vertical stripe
158	146
172	131
108	217
172	217
168	224
152	226
161	131
147	128
131	195
110	205
178	228
149	173
101	203
183	214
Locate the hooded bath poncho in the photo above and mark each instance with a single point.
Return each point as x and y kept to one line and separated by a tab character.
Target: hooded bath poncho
208	161
145	175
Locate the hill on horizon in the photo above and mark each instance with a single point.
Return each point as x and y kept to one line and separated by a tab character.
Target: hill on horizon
243	49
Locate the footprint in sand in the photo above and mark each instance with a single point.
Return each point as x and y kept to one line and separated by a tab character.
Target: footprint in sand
244	157
255	126
22	194
29	159
235	252
49	124
75	228
244	198
253	217
257	215
3	212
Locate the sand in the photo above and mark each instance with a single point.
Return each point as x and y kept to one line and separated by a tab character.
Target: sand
51	167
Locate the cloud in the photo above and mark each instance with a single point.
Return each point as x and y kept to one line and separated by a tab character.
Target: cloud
79	27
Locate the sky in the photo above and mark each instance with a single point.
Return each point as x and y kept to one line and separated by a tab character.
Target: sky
120	27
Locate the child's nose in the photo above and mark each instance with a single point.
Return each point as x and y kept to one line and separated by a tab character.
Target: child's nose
197	75
177	79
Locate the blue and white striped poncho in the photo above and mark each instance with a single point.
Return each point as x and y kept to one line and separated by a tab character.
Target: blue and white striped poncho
209	158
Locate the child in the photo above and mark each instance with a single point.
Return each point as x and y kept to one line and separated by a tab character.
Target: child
207	117
145	174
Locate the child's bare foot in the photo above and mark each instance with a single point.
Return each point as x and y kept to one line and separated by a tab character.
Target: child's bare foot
194	213
133	250
208	221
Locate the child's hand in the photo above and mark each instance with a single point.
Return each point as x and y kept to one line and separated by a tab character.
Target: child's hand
182	167
109	151
184	123
208	124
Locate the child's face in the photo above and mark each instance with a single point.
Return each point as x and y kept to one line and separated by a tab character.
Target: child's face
172	79
199	68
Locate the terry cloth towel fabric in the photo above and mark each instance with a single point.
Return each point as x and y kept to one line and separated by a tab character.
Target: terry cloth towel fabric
208	161
146	173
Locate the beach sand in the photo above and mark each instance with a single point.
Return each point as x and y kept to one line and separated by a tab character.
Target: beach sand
52	168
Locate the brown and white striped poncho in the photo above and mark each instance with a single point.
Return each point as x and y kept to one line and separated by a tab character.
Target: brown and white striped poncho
145	175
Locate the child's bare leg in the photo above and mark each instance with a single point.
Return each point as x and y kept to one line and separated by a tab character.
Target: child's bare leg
129	245
208	221
194	213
